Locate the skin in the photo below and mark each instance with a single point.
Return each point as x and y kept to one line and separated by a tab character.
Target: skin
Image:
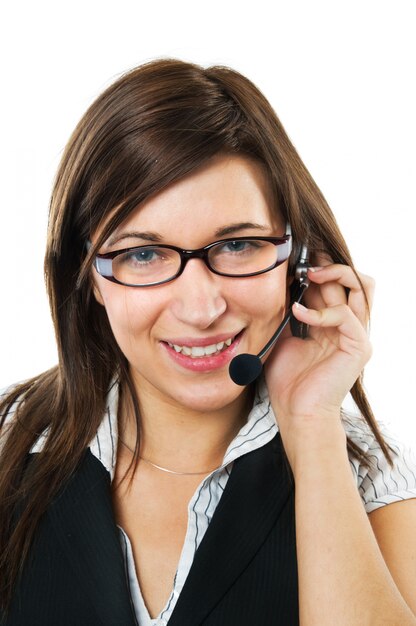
182	408
189	418
352	570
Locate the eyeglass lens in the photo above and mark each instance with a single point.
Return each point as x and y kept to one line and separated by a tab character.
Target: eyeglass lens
152	264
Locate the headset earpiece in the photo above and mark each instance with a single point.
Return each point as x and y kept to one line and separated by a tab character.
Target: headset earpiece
300	272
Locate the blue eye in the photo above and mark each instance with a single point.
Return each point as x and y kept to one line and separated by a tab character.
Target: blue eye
142	256
146	260
238	246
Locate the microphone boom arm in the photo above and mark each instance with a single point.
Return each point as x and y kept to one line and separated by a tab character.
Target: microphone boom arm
301	290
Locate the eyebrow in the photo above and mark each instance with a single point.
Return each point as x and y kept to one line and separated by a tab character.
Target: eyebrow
235	228
147	236
157	238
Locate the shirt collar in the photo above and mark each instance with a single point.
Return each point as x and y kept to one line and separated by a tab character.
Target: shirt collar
260	427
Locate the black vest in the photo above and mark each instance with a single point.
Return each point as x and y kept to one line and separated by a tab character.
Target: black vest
244	572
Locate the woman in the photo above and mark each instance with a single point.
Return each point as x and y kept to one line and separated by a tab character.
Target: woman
139	483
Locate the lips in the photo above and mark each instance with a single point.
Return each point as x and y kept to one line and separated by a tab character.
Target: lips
198	362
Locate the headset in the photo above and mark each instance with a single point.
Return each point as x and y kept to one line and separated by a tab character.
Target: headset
245	368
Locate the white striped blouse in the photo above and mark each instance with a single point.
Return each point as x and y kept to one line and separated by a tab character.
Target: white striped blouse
378	486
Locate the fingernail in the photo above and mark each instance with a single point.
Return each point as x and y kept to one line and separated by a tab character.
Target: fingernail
315	269
300	306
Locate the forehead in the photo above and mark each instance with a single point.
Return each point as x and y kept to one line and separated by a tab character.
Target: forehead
228	189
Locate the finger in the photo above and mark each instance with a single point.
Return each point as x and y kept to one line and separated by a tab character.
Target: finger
352	336
334	278
331	293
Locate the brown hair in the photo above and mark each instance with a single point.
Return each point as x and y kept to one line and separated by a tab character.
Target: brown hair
155	124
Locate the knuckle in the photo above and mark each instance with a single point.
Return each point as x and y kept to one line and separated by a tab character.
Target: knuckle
345	309
321	315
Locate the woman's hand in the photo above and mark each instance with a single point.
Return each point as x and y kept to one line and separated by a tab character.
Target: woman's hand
308	379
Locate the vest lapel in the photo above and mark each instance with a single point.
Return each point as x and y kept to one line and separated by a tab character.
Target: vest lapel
83	520
256	494
258	491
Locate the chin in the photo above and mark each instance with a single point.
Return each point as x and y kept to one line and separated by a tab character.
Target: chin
193	391
206	398
202	396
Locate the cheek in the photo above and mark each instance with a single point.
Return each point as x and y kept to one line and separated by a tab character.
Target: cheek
129	312
263	296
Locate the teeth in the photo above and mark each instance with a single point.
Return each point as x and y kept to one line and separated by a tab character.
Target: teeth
199	351
210	349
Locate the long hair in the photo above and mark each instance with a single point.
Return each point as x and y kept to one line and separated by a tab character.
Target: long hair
155	124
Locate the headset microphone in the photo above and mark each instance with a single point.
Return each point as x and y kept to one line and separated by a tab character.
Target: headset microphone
245	368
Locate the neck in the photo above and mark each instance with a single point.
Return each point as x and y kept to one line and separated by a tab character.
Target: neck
177	437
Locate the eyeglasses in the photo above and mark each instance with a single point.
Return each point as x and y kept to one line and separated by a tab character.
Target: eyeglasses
149	265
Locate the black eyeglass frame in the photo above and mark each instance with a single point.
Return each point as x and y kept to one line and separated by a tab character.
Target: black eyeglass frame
198	253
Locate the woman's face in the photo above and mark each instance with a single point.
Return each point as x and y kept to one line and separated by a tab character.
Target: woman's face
225	198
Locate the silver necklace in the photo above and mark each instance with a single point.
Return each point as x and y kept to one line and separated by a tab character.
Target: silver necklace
164	468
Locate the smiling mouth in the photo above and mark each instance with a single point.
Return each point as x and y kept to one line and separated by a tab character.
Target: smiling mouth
197	352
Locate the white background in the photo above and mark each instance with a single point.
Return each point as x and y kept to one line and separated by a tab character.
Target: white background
341	77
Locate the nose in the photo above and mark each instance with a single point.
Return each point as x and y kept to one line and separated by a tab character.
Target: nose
197	297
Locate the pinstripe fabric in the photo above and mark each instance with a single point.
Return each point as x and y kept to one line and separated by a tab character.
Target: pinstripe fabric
378	486
381	484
